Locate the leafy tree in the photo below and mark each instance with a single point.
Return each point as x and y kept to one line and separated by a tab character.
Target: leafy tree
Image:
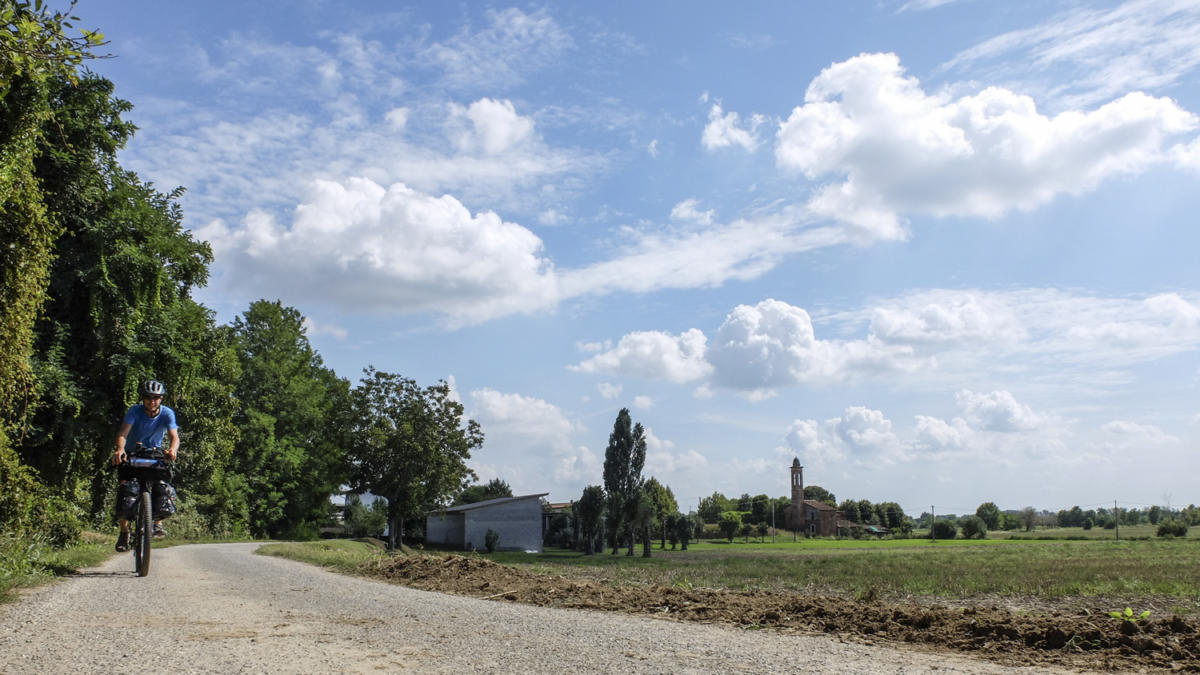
990	514
37	55
820	494
664	505
409	445
890	515
118	309
973	527
780	506
293	414
849	509
745	503
591	515
685	528
1154	514
495	489
1028	518
623	460
760	509
763	530
729	523
643	514
944	529
712	506
866	512
359	520
745	530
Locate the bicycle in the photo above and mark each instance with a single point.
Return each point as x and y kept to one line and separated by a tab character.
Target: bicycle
148	466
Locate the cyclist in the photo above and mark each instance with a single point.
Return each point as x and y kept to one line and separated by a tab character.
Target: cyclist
146	423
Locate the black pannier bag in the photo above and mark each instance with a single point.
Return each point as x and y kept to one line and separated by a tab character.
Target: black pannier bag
163	499
127	496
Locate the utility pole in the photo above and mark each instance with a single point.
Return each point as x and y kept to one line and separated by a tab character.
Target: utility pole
932	517
771	505
1117	519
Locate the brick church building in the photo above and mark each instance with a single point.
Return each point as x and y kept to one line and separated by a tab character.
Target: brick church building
809	516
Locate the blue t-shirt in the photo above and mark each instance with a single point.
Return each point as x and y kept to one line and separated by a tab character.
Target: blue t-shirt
148	430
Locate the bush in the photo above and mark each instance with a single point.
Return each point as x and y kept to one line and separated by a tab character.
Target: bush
1173	528
973	527
63	521
944	529
490	540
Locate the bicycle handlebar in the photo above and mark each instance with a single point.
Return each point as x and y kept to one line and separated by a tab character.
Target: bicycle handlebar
141	457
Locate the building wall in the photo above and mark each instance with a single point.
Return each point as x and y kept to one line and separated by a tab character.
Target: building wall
445	529
519	524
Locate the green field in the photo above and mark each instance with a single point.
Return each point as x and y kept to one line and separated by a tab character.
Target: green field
1047	570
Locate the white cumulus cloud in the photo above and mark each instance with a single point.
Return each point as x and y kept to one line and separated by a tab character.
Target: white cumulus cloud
861	435
773	344
998	411
653	355
726	129
489	126
902	150
391	249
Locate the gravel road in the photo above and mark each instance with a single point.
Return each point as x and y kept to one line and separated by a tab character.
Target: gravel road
219	608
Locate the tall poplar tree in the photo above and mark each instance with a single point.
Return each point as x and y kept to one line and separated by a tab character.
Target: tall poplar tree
623	461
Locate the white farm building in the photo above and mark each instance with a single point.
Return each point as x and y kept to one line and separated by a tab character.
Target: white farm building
518	521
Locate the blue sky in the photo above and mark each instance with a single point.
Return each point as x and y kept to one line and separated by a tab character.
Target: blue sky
942	251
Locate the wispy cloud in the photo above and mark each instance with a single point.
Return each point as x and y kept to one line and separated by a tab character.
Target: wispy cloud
1138	45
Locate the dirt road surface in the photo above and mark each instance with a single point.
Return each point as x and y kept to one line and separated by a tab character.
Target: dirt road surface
220	608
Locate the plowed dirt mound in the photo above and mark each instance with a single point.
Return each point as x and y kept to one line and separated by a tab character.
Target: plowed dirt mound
1075	641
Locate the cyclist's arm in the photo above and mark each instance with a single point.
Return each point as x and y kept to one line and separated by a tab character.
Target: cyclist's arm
120	453
173	450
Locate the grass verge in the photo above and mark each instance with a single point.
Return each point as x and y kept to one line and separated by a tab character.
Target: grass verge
341	555
29	562
25	563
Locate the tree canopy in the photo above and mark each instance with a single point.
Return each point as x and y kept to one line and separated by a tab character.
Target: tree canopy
409	445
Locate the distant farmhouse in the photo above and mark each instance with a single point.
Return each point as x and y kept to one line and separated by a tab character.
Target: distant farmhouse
518	521
810	516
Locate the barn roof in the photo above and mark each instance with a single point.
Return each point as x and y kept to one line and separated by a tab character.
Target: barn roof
485	504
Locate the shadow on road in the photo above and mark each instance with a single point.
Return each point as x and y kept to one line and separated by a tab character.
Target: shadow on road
114	573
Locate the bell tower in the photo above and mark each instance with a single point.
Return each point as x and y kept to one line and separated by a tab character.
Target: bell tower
797	483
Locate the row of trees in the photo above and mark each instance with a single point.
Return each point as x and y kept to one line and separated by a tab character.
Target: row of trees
629	508
763	510
96	281
1111	518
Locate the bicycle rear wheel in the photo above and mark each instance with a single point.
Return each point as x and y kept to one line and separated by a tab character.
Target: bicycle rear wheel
145	530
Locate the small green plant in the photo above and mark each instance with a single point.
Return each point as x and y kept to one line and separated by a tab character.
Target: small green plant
1128	615
490	540
683	583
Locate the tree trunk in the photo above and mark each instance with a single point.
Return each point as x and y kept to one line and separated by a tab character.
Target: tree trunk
632	540
646	542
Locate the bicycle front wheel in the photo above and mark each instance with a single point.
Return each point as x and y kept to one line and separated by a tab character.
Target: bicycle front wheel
145	530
